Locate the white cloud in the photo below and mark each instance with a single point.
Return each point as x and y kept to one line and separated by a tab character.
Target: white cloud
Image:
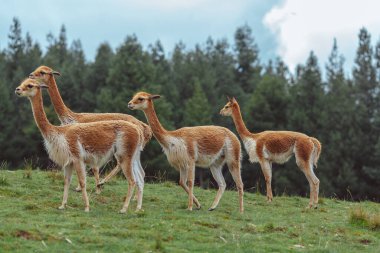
301	26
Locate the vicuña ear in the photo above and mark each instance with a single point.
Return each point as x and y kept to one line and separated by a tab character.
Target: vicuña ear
56	73
154	96
228	98
42	85
233	99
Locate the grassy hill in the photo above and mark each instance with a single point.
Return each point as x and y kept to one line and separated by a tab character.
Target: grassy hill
30	221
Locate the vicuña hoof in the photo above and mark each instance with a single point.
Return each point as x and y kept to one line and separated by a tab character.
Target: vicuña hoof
211	209
199	207
61	207
123	210
78	189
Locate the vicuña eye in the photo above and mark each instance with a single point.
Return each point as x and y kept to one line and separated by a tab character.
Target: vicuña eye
43	73
30	86
141	99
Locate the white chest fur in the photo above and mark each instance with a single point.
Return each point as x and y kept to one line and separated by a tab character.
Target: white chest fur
58	149
250	147
176	152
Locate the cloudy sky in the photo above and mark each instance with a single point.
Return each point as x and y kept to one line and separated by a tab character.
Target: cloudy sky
286	28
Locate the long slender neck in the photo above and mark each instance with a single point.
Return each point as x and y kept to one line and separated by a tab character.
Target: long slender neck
59	106
39	114
158	130
239	123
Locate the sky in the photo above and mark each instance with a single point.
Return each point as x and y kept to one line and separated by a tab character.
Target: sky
289	29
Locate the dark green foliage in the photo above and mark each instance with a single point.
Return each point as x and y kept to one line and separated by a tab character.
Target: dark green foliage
248	65
197	109
341	112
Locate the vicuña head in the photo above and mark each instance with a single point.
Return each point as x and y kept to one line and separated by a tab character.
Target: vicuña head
140	100
44	73
227	109
30	87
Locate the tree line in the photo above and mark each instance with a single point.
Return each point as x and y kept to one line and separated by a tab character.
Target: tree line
340	110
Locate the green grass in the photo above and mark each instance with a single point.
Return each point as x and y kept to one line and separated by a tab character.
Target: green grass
30	221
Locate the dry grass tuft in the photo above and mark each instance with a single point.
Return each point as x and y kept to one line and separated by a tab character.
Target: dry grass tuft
359	216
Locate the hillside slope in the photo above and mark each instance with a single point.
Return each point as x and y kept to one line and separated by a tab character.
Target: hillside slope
30	221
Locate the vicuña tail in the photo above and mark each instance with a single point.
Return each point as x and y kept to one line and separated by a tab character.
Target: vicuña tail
317	150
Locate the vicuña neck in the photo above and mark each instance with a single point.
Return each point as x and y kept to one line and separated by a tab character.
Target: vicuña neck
239	123
39	114
59	106
158	130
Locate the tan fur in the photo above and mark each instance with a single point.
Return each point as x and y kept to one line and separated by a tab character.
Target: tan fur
203	146
67	116
278	147
75	145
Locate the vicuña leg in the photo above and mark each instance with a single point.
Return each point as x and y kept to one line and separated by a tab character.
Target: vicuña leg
304	159
190	181
81	173
234	168
68	170
216	170
313	182
139	175
266	168
110	175
182	183
96	175
126	166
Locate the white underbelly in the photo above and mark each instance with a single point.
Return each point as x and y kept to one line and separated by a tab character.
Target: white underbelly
205	161
95	159
279	158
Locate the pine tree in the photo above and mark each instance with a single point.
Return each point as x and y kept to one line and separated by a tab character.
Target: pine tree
267	107
131	70
15	52
306	107
97	75
57	52
180	78
364	73
334	68
340	138
367	95
33	54
222	61
248	66
197	109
